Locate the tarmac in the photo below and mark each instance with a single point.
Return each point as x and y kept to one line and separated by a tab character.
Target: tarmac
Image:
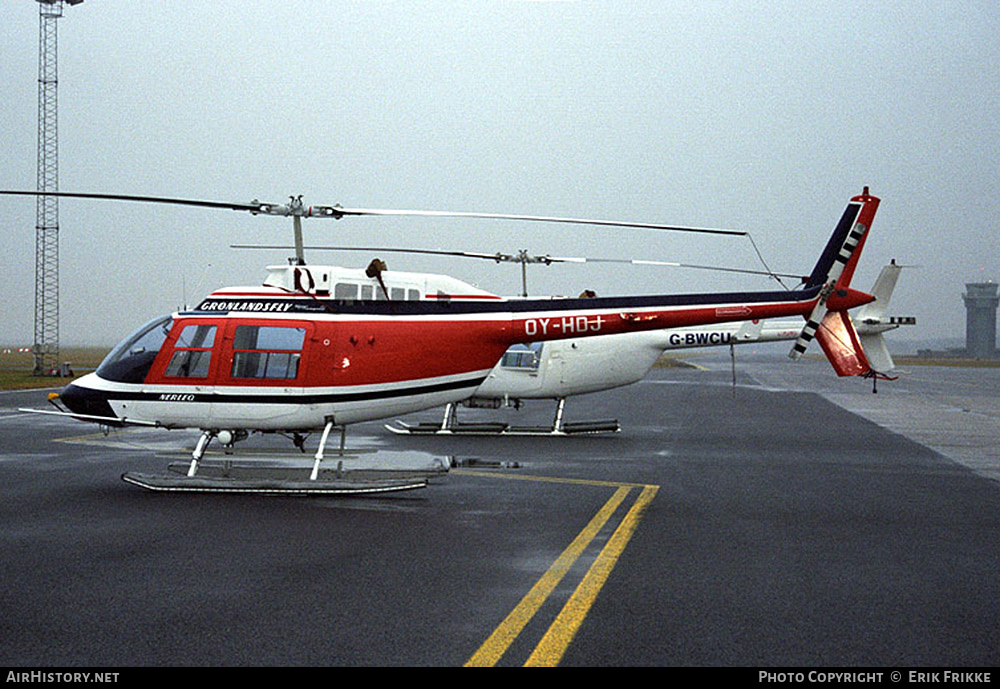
787	519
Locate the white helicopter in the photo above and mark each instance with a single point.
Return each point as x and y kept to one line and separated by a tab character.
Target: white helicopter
292	356
560	369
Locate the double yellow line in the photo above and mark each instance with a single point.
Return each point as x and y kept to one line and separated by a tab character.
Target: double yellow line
555	641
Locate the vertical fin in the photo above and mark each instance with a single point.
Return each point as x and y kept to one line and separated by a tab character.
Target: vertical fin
877	352
841	344
885	284
836	265
873	320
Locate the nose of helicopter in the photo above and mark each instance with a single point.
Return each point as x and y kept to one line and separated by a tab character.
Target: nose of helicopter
86	401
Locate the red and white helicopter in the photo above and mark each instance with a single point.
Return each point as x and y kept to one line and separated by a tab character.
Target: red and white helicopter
560	369
290	356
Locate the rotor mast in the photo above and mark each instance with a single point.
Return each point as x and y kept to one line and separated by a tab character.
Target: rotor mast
296	206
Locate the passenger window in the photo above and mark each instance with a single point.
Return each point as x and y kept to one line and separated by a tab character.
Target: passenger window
192	352
267	352
523	357
345	290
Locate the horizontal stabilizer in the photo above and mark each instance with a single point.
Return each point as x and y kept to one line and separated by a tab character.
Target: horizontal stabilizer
842	345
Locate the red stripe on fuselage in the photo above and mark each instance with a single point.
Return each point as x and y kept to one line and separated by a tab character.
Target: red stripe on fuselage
341	352
350	353
556	326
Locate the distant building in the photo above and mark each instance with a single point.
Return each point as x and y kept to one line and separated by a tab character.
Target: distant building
981	302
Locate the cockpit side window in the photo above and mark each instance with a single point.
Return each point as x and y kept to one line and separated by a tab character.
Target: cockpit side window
131	360
192	352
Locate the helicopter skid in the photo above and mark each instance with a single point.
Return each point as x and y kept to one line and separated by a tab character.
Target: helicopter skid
263	470
281	476
501	429
272	480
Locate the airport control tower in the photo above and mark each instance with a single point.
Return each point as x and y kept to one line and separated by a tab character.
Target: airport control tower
981	302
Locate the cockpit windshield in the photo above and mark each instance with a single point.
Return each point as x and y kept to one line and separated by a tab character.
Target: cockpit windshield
131	360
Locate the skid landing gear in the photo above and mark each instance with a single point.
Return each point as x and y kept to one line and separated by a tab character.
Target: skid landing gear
450	425
281	475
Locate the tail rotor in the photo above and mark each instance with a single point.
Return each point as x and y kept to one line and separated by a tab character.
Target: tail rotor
829	322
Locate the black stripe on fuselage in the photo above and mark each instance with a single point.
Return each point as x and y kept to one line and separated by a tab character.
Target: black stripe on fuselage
221	396
291	305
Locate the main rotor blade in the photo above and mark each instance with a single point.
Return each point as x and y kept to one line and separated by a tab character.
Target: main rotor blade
296	208
434	252
522	257
640	262
252	207
533	218
497	257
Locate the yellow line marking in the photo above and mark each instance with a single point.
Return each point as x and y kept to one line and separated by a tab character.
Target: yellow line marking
546	479
81	438
553	645
559	635
503	636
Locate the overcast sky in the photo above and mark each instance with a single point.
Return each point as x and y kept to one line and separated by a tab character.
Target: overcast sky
764	116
